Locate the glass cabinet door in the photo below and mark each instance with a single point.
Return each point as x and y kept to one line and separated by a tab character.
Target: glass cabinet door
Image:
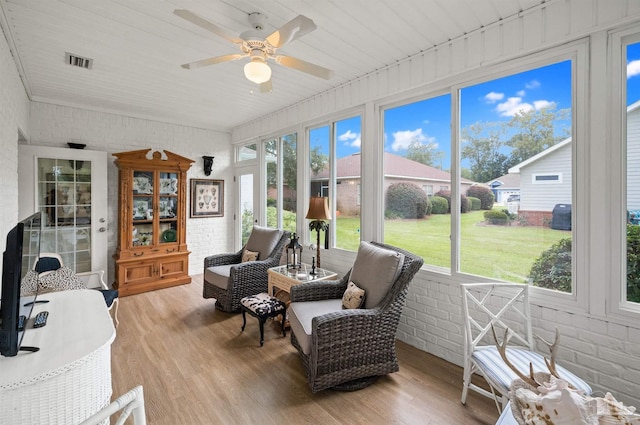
168	207
143	184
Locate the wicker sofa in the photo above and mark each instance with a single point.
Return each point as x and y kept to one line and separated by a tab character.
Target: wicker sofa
228	279
348	349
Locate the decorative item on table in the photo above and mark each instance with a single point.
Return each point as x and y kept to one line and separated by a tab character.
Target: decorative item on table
546	398
313	266
318	212
294	253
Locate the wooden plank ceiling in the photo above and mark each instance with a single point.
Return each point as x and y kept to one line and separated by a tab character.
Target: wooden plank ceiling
138	46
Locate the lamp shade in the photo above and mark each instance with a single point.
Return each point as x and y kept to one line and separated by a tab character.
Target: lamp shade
257	71
318	209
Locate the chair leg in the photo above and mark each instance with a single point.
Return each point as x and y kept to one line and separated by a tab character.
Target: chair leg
466	380
244	321
261	331
115	311
284	318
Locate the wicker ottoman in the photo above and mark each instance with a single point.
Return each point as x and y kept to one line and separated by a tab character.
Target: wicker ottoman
262	306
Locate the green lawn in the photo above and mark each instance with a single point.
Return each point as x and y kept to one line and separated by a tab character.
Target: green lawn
501	252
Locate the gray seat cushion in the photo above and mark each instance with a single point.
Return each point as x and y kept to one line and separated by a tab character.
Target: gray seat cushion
302	313
375	270
263	240
218	275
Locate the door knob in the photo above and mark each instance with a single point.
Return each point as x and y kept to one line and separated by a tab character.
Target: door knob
102	229
102	220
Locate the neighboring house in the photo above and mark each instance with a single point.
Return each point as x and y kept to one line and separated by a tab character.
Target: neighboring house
396	169
505	186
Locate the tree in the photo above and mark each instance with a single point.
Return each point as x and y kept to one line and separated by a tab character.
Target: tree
481	144
535	132
318	161
425	153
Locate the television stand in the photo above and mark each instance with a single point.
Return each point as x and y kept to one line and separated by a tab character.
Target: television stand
75	353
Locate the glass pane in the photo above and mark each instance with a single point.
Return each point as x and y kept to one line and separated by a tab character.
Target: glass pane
247	152
633	173
320	167
246	205
64	198
347	212
514	129
417	181
271	157
289	181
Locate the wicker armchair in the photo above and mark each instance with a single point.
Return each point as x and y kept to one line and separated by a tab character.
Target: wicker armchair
228	279
348	349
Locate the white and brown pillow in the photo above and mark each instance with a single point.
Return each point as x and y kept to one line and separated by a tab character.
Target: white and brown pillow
353	297
249	255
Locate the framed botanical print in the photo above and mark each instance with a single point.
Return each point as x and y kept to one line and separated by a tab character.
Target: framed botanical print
207	198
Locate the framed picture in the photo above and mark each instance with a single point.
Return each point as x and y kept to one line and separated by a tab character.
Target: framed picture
207	198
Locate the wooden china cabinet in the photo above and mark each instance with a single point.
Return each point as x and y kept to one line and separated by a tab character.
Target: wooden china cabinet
152	194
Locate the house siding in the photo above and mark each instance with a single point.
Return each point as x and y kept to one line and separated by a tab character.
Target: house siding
544	196
633	159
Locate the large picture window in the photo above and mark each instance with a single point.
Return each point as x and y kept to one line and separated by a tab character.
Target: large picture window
632	61
281	175
516	154
335	161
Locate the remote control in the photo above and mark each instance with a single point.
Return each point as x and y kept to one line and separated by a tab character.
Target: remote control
41	319
21	321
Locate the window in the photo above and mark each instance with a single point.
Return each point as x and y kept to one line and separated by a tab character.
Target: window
417	154
246	152
428	189
632	106
546	178
281	175
519	126
334	159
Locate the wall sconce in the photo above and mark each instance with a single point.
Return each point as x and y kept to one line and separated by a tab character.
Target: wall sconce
208	163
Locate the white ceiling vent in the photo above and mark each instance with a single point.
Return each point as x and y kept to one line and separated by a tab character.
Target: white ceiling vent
79	61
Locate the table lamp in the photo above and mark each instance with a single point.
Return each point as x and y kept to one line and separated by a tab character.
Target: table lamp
318	212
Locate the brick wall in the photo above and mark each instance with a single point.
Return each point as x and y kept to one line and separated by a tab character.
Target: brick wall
53	125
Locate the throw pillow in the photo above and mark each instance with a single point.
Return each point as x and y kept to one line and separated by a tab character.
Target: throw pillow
61	280
353	297
249	255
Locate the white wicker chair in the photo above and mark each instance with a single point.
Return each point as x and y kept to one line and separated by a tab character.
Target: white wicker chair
131	403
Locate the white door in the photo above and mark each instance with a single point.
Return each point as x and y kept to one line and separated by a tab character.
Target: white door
247	212
69	188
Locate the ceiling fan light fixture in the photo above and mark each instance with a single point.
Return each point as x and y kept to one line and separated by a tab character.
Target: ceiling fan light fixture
257	71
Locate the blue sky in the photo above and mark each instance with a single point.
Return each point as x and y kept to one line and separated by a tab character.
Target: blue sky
428	121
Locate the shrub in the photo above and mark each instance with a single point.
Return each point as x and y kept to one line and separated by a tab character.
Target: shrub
465	204
552	270
406	200
439	205
484	194
496	217
475	203
446	194
271	202
633	263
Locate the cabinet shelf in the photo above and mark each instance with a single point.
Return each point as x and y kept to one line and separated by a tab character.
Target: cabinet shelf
152	250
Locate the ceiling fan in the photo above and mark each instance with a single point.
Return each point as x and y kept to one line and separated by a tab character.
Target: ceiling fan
259	48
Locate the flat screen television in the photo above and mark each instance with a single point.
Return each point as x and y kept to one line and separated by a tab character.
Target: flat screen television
21	252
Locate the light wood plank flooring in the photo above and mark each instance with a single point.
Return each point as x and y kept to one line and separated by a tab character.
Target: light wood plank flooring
196	367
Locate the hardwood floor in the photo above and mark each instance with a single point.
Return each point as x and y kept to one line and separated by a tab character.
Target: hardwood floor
196	367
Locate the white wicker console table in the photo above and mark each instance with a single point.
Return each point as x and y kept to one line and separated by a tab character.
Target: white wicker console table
69	379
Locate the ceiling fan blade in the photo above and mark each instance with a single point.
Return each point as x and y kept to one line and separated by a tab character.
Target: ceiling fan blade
266	87
203	23
300	65
295	28
213	61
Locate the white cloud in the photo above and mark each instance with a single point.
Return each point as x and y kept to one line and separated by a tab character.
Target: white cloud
521	93
512	106
350	138
539	104
493	97
633	68
402	139
533	84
